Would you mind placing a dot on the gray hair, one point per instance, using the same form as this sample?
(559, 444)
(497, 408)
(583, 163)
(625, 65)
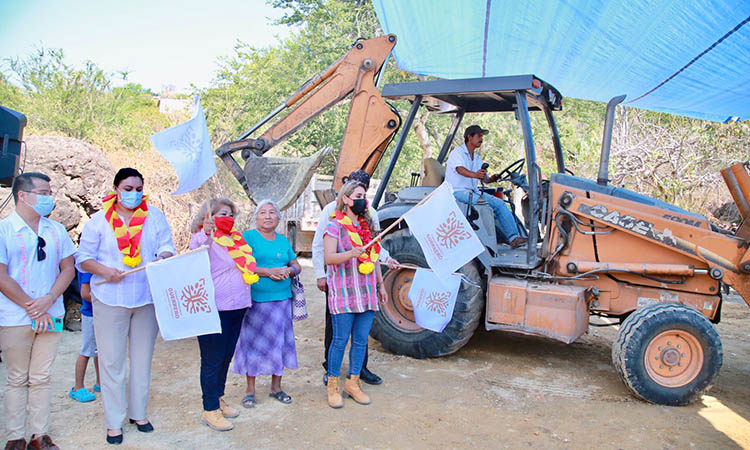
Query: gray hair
(264, 203)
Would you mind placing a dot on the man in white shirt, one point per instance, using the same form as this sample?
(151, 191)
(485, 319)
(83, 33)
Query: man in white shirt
(36, 266)
(464, 168)
(318, 261)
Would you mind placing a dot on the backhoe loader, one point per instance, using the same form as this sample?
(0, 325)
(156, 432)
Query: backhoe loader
(371, 125)
(653, 269)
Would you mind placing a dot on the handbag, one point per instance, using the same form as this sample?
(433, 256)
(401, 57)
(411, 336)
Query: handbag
(299, 304)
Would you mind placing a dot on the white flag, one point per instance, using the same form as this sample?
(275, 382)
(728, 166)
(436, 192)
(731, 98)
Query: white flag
(183, 293)
(446, 238)
(187, 147)
(433, 299)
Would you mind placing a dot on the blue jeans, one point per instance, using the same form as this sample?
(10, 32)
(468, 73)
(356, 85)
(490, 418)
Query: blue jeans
(217, 351)
(356, 325)
(505, 223)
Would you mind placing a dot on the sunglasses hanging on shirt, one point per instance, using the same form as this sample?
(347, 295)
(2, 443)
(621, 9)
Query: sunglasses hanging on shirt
(40, 253)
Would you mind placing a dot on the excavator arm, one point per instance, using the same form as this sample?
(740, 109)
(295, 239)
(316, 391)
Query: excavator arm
(370, 127)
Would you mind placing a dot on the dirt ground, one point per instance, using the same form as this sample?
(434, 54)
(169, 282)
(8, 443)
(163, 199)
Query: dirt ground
(500, 391)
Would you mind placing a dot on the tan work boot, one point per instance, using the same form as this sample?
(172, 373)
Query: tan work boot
(226, 410)
(216, 421)
(353, 389)
(334, 396)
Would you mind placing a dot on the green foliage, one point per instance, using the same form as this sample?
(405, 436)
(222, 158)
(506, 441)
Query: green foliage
(253, 81)
(81, 103)
(10, 95)
(667, 157)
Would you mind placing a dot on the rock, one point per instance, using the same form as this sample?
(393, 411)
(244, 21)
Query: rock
(728, 212)
(80, 173)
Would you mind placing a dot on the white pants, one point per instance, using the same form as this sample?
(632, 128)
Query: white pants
(121, 331)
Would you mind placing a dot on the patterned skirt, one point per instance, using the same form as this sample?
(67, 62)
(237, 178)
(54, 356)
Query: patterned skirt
(266, 344)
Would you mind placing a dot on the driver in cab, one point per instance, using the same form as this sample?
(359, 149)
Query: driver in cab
(464, 168)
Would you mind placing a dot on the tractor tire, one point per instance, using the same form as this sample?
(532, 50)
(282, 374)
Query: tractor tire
(667, 353)
(394, 324)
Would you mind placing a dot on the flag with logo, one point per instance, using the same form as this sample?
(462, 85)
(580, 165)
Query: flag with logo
(433, 299)
(184, 304)
(446, 238)
(187, 147)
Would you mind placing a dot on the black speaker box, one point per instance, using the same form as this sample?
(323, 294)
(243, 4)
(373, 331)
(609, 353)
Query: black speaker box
(12, 124)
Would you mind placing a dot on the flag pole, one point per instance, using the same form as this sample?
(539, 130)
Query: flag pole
(405, 266)
(399, 220)
(464, 278)
(138, 269)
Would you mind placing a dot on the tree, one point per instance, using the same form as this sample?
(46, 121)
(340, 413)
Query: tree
(81, 103)
(253, 81)
(666, 157)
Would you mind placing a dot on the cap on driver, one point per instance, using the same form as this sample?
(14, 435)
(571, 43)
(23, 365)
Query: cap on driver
(475, 129)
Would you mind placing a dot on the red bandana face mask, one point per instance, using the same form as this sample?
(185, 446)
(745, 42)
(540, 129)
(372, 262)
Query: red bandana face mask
(224, 224)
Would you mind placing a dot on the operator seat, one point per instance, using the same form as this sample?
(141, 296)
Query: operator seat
(434, 172)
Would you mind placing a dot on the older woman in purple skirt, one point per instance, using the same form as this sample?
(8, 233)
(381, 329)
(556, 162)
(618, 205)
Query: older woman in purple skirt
(266, 344)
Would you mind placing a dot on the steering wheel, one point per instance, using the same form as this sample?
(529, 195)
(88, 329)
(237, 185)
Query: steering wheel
(512, 171)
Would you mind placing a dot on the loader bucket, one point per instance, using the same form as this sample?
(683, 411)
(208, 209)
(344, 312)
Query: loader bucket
(280, 179)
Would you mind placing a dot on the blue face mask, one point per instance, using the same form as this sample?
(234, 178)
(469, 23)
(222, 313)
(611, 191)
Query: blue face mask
(131, 199)
(44, 205)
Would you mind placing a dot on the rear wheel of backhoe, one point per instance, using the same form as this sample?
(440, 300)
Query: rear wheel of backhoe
(394, 325)
(667, 353)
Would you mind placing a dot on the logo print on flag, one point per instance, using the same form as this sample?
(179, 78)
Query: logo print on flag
(195, 298)
(185, 142)
(433, 299)
(451, 232)
(437, 302)
(187, 147)
(446, 238)
(184, 304)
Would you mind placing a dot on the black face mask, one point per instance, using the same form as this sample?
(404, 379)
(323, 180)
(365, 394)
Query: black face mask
(359, 207)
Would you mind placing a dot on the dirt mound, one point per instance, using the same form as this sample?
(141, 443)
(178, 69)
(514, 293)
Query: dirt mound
(80, 175)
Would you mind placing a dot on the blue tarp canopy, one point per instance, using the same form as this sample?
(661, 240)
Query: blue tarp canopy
(686, 57)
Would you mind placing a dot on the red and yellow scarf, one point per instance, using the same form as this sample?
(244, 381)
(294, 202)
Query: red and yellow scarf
(128, 238)
(360, 237)
(241, 253)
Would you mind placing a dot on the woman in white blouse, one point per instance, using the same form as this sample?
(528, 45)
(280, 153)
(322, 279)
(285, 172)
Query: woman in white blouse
(127, 233)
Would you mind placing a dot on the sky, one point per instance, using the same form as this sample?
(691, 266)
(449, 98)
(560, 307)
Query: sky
(158, 42)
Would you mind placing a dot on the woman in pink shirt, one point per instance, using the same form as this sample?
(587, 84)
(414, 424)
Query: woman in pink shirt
(233, 271)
